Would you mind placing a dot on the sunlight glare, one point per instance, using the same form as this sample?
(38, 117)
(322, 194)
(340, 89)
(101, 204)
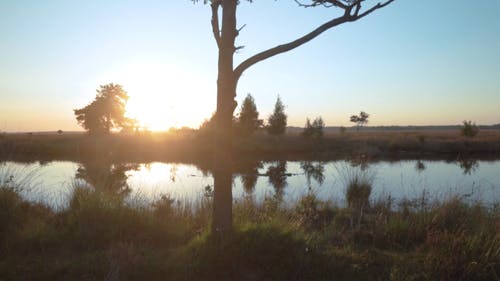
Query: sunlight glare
(164, 96)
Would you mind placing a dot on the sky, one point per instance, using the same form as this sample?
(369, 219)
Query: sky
(410, 63)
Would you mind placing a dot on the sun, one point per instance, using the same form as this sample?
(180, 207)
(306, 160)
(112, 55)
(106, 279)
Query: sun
(164, 96)
(155, 112)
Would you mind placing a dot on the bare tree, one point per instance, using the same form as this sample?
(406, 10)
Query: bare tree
(225, 34)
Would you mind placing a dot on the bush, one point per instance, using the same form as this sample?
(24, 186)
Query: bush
(469, 129)
(358, 187)
(314, 130)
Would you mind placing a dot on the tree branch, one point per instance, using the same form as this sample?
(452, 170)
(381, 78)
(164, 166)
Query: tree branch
(215, 21)
(376, 7)
(347, 17)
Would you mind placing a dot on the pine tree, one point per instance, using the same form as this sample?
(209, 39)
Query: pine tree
(277, 120)
(248, 119)
(308, 129)
(314, 130)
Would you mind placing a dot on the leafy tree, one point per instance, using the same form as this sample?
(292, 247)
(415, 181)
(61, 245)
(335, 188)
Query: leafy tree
(277, 120)
(248, 118)
(106, 111)
(225, 31)
(314, 130)
(469, 129)
(360, 119)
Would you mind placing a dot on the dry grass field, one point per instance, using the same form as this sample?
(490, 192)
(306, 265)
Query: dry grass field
(193, 145)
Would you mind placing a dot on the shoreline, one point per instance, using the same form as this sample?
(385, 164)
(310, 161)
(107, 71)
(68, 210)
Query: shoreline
(197, 146)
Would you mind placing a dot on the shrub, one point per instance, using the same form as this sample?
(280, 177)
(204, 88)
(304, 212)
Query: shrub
(358, 192)
(314, 130)
(469, 129)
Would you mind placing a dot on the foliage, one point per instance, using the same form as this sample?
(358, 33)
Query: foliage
(99, 237)
(278, 120)
(360, 120)
(314, 130)
(106, 111)
(248, 120)
(358, 192)
(253, 252)
(469, 129)
(208, 125)
(358, 183)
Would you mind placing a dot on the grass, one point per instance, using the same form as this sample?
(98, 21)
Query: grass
(196, 146)
(99, 237)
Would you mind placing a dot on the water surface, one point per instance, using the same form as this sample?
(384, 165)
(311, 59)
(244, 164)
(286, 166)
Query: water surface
(53, 183)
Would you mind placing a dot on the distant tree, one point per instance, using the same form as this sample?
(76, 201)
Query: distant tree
(314, 130)
(106, 111)
(308, 129)
(277, 120)
(59, 132)
(360, 119)
(318, 126)
(469, 129)
(342, 129)
(248, 121)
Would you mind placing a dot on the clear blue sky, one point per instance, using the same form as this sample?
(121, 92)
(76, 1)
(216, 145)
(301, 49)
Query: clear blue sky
(411, 63)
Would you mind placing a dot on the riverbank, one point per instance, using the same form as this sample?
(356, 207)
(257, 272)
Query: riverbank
(197, 146)
(99, 237)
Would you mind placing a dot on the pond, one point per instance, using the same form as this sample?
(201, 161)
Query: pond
(53, 183)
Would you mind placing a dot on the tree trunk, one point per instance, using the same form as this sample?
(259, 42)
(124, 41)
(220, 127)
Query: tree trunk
(227, 80)
(226, 91)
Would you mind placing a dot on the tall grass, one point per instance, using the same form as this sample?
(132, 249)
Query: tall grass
(101, 237)
(358, 182)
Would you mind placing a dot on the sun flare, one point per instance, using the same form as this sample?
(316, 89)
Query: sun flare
(163, 97)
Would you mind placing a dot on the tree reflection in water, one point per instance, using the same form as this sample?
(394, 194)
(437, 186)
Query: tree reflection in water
(420, 166)
(277, 178)
(249, 174)
(361, 161)
(105, 176)
(469, 166)
(314, 171)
